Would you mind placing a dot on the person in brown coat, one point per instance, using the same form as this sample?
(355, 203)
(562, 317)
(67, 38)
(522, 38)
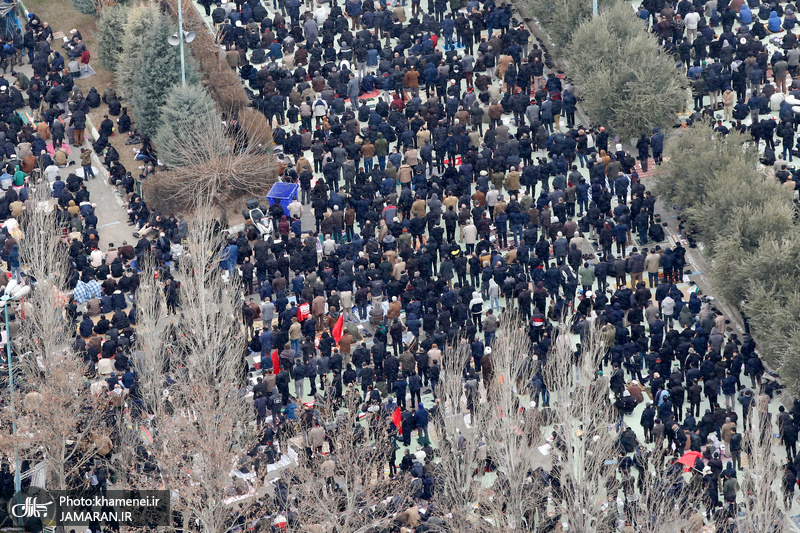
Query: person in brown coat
(418, 208)
(233, 58)
(303, 164)
(412, 157)
(487, 367)
(368, 153)
(394, 309)
(635, 389)
(533, 215)
(479, 198)
(495, 112)
(498, 178)
(502, 65)
(398, 270)
(28, 164)
(423, 136)
(411, 81)
(727, 431)
(318, 82)
(344, 347)
(331, 318)
(404, 174)
(318, 309)
(463, 117)
(512, 181)
(301, 57)
(43, 129)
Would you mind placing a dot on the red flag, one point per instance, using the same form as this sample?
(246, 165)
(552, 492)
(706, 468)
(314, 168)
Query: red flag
(337, 329)
(303, 311)
(397, 420)
(276, 366)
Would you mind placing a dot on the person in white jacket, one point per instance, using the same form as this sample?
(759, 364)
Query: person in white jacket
(476, 309)
(691, 21)
(469, 236)
(320, 109)
(668, 309)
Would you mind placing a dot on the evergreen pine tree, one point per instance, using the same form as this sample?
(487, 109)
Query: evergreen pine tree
(111, 27)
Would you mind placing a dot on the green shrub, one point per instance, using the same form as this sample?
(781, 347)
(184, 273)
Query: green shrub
(625, 79)
(187, 109)
(111, 29)
(87, 7)
(693, 157)
(746, 221)
(150, 66)
(559, 18)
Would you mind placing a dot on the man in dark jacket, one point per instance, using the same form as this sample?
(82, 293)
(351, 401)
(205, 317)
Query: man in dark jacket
(415, 387)
(399, 388)
(648, 421)
(79, 125)
(282, 382)
(657, 144)
(421, 422)
(407, 425)
(643, 146)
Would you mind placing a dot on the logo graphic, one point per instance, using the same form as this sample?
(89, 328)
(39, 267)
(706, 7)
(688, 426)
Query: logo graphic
(32, 505)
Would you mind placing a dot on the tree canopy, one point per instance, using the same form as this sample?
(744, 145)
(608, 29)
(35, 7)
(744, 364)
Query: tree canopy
(150, 66)
(628, 82)
(746, 221)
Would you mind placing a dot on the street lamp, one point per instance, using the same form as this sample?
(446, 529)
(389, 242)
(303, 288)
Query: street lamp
(13, 292)
(176, 39)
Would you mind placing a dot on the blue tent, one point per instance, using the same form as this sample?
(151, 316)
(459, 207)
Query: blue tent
(8, 19)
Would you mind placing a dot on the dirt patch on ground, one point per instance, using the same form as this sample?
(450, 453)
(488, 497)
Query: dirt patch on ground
(63, 17)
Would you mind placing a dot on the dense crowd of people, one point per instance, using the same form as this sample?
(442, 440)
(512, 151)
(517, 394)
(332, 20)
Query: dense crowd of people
(445, 177)
(450, 180)
(44, 144)
(740, 58)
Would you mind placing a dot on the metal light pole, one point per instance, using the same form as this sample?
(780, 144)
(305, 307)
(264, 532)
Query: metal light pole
(5, 300)
(178, 38)
(594, 7)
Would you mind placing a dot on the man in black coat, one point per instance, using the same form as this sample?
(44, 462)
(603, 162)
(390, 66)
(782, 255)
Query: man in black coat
(617, 382)
(282, 382)
(407, 425)
(648, 421)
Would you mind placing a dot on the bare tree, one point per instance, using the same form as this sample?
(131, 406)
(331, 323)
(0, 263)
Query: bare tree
(225, 163)
(617, 91)
(460, 469)
(687, 178)
(151, 357)
(358, 496)
(760, 483)
(203, 430)
(43, 251)
(499, 460)
(59, 421)
(511, 442)
(655, 504)
(584, 446)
